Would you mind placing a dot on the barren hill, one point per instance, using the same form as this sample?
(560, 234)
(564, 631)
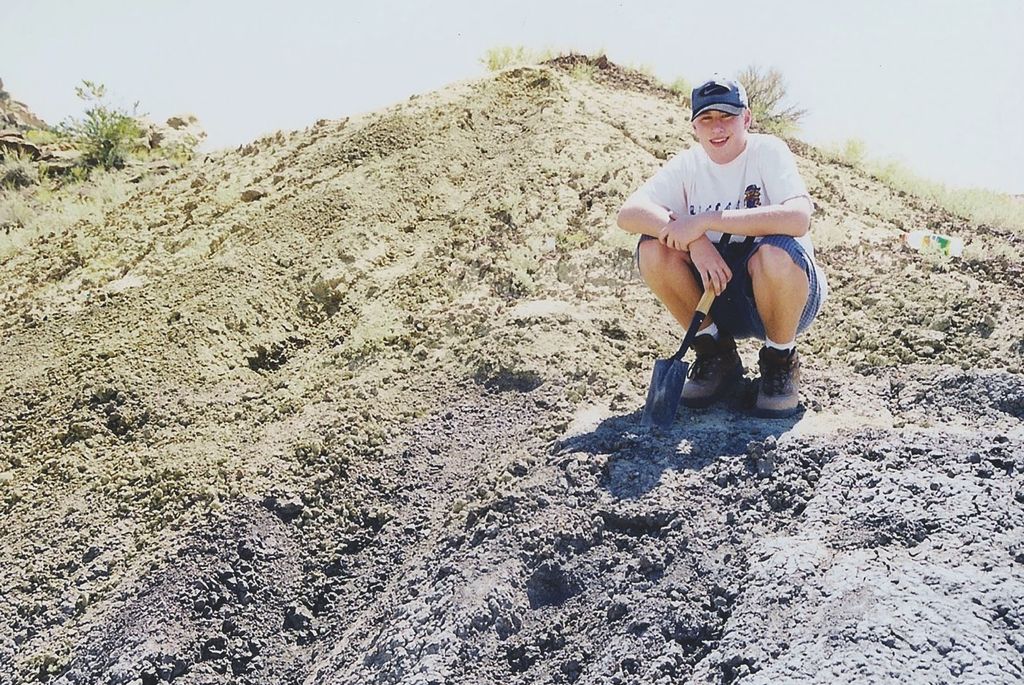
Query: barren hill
(359, 404)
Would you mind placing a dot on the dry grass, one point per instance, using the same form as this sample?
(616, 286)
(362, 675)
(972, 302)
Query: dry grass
(54, 211)
(583, 71)
(852, 152)
(506, 56)
(681, 86)
(973, 204)
(17, 171)
(976, 204)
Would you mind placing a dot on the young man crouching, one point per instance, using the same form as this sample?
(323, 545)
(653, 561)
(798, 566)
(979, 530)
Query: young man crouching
(733, 212)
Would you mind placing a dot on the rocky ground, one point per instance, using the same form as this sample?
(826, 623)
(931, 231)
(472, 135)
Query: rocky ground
(359, 404)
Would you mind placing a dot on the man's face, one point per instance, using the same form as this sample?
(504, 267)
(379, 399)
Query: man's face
(723, 136)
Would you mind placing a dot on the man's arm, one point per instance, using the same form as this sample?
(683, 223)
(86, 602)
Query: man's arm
(792, 217)
(640, 215)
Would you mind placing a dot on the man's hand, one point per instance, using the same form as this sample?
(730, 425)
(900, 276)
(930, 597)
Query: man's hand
(679, 232)
(714, 272)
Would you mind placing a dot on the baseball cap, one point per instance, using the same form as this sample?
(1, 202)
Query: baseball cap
(722, 94)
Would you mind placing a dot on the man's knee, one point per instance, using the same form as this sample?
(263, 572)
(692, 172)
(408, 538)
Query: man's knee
(773, 263)
(657, 260)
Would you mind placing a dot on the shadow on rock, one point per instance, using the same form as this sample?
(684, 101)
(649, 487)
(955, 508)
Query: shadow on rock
(637, 456)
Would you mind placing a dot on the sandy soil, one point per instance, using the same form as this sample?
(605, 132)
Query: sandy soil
(377, 422)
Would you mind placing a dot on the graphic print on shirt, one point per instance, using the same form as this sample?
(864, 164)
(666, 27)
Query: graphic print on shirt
(752, 197)
(700, 209)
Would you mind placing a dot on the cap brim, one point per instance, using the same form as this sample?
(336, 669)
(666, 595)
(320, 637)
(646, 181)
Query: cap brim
(728, 109)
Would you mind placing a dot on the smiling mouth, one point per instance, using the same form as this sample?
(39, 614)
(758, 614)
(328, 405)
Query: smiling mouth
(719, 142)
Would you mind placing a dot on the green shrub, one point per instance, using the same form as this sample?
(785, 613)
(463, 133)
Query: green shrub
(108, 136)
(766, 90)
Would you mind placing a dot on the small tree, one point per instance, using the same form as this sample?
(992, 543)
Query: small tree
(107, 135)
(766, 90)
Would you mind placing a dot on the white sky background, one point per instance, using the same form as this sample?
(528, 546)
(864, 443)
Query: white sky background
(937, 85)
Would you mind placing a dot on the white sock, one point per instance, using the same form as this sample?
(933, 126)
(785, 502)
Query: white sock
(711, 330)
(782, 347)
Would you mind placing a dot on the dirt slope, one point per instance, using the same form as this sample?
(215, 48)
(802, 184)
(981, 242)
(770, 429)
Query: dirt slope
(376, 422)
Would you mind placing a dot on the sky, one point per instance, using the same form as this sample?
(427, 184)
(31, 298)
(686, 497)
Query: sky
(933, 84)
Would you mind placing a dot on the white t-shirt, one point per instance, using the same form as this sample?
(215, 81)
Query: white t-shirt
(764, 173)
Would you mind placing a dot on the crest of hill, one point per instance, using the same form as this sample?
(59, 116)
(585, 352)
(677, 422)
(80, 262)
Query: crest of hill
(17, 115)
(247, 326)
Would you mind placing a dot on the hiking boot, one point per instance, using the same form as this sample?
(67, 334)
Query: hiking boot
(716, 368)
(779, 393)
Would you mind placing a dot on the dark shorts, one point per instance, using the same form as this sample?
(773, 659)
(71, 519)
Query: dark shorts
(735, 311)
